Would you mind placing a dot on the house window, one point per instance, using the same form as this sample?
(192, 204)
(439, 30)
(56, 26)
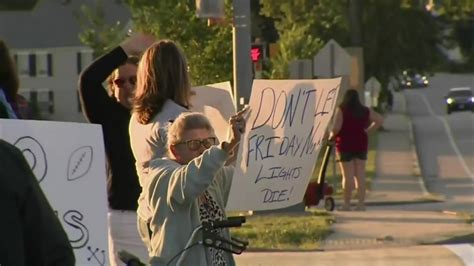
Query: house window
(23, 67)
(32, 65)
(49, 62)
(44, 64)
(41, 101)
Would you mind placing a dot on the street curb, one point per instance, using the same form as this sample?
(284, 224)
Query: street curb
(399, 202)
(416, 163)
(402, 202)
(269, 250)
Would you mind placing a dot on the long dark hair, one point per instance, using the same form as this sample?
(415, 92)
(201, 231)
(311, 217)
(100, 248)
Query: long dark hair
(352, 102)
(8, 75)
(162, 74)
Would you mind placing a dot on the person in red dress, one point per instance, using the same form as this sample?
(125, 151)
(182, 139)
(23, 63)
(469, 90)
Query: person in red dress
(352, 123)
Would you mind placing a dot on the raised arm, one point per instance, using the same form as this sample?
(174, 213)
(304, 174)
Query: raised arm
(95, 100)
(186, 183)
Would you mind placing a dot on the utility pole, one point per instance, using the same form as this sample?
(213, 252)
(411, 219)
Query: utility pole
(355, 16)
(241, 52)
(356, 50)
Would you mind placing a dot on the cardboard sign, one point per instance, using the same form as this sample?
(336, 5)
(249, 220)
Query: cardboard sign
(284, 131)
(217, 103)
(68, 160)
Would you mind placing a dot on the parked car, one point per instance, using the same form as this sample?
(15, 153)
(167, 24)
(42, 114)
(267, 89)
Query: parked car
(459, 99)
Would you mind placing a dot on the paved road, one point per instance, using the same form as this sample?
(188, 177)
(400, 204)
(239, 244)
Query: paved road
(445, 144)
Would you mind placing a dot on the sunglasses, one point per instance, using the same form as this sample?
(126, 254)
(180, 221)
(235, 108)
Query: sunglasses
(121, 81)
(195, 144)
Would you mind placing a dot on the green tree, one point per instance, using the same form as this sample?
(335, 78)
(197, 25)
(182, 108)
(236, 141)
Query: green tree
(303, 26)
(398, 37)
(396, 34)
(208, 48)
(458, 15)
(454, 9)
(11, 5)
(97, 34)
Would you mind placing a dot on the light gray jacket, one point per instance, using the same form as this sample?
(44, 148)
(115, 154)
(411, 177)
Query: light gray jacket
(172, 195)
(148, 142)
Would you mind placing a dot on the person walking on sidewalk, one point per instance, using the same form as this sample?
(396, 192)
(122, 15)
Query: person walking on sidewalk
(119, 68)
(352, 124)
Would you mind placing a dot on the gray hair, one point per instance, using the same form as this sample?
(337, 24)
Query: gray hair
(184, 122)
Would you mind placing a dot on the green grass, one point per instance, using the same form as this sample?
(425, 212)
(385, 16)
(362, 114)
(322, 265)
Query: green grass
(301, 232)
(334, 177)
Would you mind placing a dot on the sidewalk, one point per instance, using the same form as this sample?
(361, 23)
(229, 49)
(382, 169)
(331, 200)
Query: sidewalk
(391, 229)
(398, 182)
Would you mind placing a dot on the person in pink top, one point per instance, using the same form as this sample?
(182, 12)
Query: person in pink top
(352, 123)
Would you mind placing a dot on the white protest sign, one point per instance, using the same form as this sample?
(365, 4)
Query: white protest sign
(217, 103)
(69, 162)
(284, 132)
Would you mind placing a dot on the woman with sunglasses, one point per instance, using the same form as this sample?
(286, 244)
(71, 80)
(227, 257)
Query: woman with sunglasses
(188, 187)
(112, 110)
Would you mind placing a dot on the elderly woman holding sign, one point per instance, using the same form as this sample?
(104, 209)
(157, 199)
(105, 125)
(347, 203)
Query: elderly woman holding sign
(189, 187)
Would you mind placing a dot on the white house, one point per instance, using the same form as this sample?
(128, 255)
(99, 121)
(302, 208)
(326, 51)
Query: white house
(45, 44)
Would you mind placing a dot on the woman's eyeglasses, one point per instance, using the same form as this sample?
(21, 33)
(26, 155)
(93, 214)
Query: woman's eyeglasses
(195, 144)
(121, 81)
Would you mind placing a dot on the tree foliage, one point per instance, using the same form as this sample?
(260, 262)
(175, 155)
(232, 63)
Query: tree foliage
(303, 28)
(459, 16)
(455, 9)
(397, 34)
(96, 33)
(17, 5)
(398, 38)
(208, 48)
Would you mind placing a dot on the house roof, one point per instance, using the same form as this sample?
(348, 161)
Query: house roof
(53, 23)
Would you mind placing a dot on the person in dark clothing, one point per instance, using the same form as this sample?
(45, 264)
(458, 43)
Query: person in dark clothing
(119, 68)
(352, 124)
(30, 232)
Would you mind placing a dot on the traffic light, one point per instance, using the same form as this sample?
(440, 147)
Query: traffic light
(256, 52)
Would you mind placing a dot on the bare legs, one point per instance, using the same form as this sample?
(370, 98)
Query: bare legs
(353, 175)
(360, 178)
(348, 172)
